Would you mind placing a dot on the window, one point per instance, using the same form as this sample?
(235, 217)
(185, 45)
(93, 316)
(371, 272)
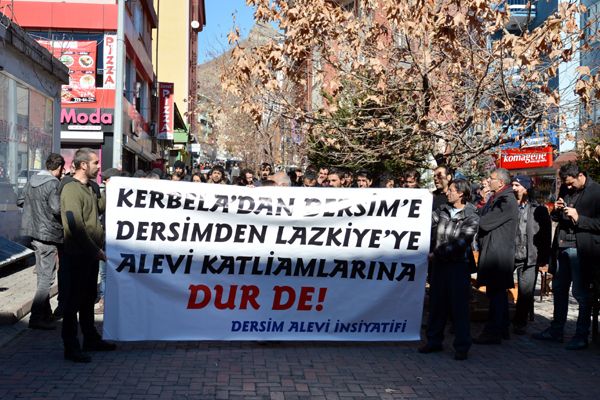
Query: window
(138, 18)
(593, 22)
(26, 133)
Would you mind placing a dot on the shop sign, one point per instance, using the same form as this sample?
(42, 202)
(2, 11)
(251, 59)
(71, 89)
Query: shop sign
(166, 115)
(110, 61)
(80, 57)
(532, 157)
(86, 119)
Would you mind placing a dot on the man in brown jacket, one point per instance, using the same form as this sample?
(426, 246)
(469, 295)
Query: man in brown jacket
(83, 241)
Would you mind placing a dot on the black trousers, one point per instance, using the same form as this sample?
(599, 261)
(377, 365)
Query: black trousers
(80, 277)
(449, 293)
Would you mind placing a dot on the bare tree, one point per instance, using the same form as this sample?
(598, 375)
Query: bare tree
(400, 82)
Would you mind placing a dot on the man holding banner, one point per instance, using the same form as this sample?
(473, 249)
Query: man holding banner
(84, 238)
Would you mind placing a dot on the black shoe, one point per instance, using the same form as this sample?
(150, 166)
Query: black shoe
(99, 345)
(77, 356)
(548, 336)
(427, 348)
(461, 355)
(43, 325)
(577, 343)
(58, 314)
(487, 338)
(519, 330)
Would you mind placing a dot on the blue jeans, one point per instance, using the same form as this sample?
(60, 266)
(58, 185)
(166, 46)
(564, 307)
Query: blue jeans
(102, 283)
(570, 270)
(526, 277)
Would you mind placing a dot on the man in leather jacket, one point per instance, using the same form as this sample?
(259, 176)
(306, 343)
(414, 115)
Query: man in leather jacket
(41, 221)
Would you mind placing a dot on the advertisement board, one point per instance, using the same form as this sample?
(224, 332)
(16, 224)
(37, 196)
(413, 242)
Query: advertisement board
(80, 58)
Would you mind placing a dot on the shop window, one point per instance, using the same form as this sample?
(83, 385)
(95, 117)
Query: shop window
(26, 132)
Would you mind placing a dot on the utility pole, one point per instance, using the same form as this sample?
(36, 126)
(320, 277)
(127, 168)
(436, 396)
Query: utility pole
(119, 87)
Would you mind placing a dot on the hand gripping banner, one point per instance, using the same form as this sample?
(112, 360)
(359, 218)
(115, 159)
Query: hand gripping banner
(192, 261)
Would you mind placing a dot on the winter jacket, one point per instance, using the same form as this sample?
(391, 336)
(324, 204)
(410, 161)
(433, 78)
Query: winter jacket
(539, 232)
(41, 208)
(80, 210)
(496, 236)
(452, 236)
(587, 228)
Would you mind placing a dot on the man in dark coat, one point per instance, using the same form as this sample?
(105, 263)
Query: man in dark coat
(577, 249)
(41, 221)
(496, 236)
(532, 248)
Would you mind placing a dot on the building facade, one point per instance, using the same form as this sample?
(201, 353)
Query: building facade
(30, 88)
(83, 35)
(175, 57)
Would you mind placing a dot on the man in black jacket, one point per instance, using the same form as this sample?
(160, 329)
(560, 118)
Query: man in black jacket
(41, 221)
(497, 229)
(577, 250)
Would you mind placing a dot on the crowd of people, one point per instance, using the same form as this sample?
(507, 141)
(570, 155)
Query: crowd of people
(493, 228)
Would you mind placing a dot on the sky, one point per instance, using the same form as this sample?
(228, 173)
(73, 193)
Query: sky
(219, 21)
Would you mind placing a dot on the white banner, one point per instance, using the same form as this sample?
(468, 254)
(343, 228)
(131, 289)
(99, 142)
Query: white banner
(192, 261)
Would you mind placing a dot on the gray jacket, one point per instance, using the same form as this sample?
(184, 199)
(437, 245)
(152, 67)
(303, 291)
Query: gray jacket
(41, 208)
(539, 233)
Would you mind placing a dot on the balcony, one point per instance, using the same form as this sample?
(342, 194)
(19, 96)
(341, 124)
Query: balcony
(522, 13)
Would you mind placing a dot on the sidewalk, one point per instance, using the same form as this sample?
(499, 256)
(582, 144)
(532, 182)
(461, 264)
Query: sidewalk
(520, 368)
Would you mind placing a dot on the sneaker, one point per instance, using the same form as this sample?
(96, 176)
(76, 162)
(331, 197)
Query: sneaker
(427, 348)
(461, 355)
(577, 343)
(487, 338)
(548, 336)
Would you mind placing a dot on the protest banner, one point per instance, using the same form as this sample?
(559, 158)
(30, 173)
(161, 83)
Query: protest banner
(191, 261)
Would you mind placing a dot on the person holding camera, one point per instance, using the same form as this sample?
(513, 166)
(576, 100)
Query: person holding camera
(576, 249)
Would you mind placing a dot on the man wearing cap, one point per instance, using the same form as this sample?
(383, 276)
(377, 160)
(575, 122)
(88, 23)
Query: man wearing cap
(532, 248)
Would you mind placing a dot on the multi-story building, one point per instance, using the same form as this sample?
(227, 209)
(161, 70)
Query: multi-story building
(175, 57)
(83, 34)
(591, 23)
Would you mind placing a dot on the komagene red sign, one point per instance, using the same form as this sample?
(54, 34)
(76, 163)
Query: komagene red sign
(532, 157)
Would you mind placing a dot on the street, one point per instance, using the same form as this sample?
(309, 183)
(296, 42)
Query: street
(521, 368)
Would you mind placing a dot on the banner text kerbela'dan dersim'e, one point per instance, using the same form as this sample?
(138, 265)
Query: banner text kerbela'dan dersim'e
(190, 261)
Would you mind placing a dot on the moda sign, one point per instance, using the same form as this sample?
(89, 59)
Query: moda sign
(537, 157)
(86, 119)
